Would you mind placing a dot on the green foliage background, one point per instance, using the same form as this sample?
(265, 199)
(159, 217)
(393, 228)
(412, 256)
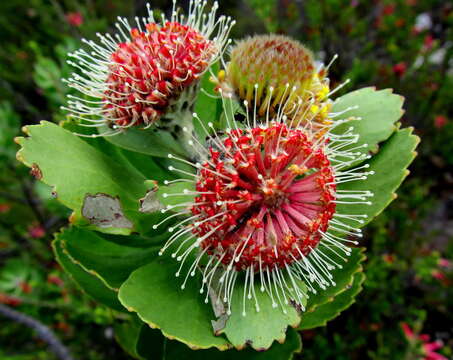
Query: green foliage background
(379, 43)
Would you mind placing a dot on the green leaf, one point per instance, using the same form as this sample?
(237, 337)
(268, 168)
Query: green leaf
(379, 110)
(174, 194)
(152, 141)
(208, 106)
(390, 169)
(15, 272)
(84, 179)
(258, 329)
(328, 311)
(343, 279)
(142, 164)
(150, 167)
(127, 334)
(155, 294)
(90, 284)
(111, 262)
(47, 75)
(152, 345)
(231, 107)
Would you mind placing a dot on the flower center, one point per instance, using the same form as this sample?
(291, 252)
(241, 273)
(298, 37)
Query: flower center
(151, 70)
(273, 197)
(265, 196)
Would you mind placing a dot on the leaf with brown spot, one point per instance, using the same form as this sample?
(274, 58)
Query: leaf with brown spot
(105, 211)
(36, 171)
(74, 169)
(150, 202)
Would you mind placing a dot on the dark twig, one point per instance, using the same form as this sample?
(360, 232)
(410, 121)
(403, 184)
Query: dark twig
(44, 333)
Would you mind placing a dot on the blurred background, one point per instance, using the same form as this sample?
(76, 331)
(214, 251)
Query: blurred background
(406, 45)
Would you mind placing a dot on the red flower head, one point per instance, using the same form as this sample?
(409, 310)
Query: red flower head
(264, 198)
(132, 79)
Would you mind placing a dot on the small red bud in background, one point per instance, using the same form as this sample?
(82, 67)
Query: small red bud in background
(389, 9)
(408, 332)
(440, 121)
(9, 300)
(400, 22)
(445, 263)
(53, 279)
(63, 326)
(74, 19)
(400, 69)
(4, 208)
(388, 258)
(25, 287)
(36, 232)
(428, 42)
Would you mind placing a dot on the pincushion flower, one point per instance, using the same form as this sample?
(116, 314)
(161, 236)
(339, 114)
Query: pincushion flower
(134, 77)
(264, 206)
(255, 204)
(272, 70)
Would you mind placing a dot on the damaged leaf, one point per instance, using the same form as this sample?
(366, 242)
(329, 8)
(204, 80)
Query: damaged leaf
(74, 169)
(36, 171)
(219, 311)
(105, 211)
(150, 202)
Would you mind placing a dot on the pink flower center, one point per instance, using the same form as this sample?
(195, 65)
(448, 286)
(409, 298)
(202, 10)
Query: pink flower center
(264, 196)
(152, 69)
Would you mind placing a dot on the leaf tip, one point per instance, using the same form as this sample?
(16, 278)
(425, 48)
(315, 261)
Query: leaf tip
(19, 140)
(25, 130)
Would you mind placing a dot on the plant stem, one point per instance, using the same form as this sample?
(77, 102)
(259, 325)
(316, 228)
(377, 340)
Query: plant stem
(44, 332)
